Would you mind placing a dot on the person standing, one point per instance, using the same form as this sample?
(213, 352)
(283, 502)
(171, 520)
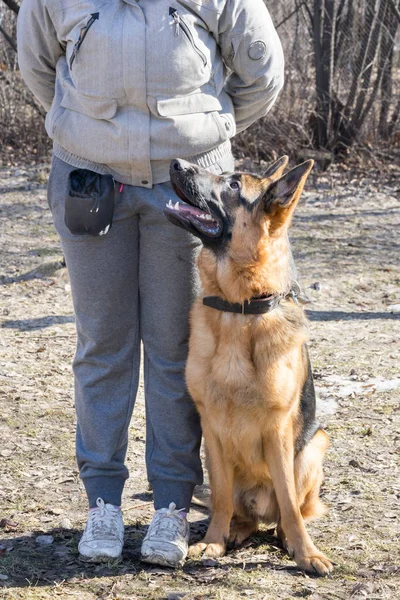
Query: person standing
(129, 85)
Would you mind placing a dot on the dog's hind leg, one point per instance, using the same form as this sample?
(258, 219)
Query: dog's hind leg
(241, 528)
(309, 476)
(221, 481)
(281, 535)
(246, 517)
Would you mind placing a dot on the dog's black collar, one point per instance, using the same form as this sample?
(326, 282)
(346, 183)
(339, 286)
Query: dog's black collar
(255, 306)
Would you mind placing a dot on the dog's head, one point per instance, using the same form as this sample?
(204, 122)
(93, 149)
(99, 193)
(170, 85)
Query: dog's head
(239, 217)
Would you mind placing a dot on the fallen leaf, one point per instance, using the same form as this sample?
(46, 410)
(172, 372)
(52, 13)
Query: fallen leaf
(6, 524)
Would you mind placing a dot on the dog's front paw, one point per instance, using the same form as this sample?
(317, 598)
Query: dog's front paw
(317, 563)
(214, 550)
(205, 550)
(196, 550)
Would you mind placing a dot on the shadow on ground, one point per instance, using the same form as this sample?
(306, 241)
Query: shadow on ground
(44, 271)
(338, 315)
(38, 323)
(313, 315)
(31, 564)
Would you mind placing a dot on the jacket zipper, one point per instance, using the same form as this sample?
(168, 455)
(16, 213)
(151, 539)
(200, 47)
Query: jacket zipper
(82, 35)
(180, 24)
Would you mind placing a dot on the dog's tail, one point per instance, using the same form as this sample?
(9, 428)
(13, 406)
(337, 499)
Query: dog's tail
(202, 496)
(313, 509)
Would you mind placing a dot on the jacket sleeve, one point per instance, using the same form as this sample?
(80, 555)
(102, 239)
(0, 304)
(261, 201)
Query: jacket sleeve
(251, 49)
(38, 50)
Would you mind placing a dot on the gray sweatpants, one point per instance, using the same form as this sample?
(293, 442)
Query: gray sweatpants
(134, 284)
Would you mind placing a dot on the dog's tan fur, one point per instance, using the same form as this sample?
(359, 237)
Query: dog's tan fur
(245, 374)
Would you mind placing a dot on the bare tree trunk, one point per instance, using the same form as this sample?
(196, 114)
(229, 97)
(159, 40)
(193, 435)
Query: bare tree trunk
(386, 67)
(324, 19)
(395, 9)
(394, 118)
(340, 28)
(362, 95)
(360, 61)
(359, 113)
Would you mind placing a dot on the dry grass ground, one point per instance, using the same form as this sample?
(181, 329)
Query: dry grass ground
(345, 239)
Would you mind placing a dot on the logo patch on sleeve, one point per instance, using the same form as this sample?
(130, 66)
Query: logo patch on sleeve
(257, 50)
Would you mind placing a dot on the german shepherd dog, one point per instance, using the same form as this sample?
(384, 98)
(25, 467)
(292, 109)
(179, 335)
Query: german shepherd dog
(248, 370)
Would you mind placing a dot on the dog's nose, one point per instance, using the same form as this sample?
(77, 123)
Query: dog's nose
(176, 165)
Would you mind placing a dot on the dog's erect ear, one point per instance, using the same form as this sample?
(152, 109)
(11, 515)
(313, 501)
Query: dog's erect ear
(281, 197)
(275, 170)
(288, 188)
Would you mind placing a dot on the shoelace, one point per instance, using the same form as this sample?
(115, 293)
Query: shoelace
(167, 523)
(103, 521)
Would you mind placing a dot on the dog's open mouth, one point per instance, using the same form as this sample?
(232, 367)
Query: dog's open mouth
(185, 215)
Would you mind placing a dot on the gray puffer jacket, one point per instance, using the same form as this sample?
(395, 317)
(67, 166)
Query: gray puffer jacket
(131, 84)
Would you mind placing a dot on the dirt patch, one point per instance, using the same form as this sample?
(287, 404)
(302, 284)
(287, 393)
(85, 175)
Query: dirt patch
(345, 239)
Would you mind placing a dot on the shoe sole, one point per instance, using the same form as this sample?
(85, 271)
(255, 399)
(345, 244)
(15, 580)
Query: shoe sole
(103, 558)
(159, 560)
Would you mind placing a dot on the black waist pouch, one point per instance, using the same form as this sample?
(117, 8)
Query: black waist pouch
(89, 205)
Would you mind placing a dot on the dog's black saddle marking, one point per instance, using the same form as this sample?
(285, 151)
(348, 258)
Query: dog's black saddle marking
(310, 425)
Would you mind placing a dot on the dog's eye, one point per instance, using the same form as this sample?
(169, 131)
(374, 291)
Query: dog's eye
(234, 185)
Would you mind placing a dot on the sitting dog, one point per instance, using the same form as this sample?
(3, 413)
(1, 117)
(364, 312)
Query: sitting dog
(248, 369)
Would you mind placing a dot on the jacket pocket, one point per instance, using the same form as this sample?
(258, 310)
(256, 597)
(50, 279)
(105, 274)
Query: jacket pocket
(91, 106)
(88, 128)
(181, 27)
(200, 103)
(82, 34)
(186, 125)
(186, 105)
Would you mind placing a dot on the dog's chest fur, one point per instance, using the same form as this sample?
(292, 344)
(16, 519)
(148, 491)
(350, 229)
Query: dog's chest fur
(236, 372)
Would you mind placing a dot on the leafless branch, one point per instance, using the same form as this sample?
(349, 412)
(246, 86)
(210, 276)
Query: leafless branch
(8, 38)
(289, 16)
(395, 10)
(12, 5)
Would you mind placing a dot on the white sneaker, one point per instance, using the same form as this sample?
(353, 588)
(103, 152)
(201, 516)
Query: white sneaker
(166, 542)
(103, 537)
